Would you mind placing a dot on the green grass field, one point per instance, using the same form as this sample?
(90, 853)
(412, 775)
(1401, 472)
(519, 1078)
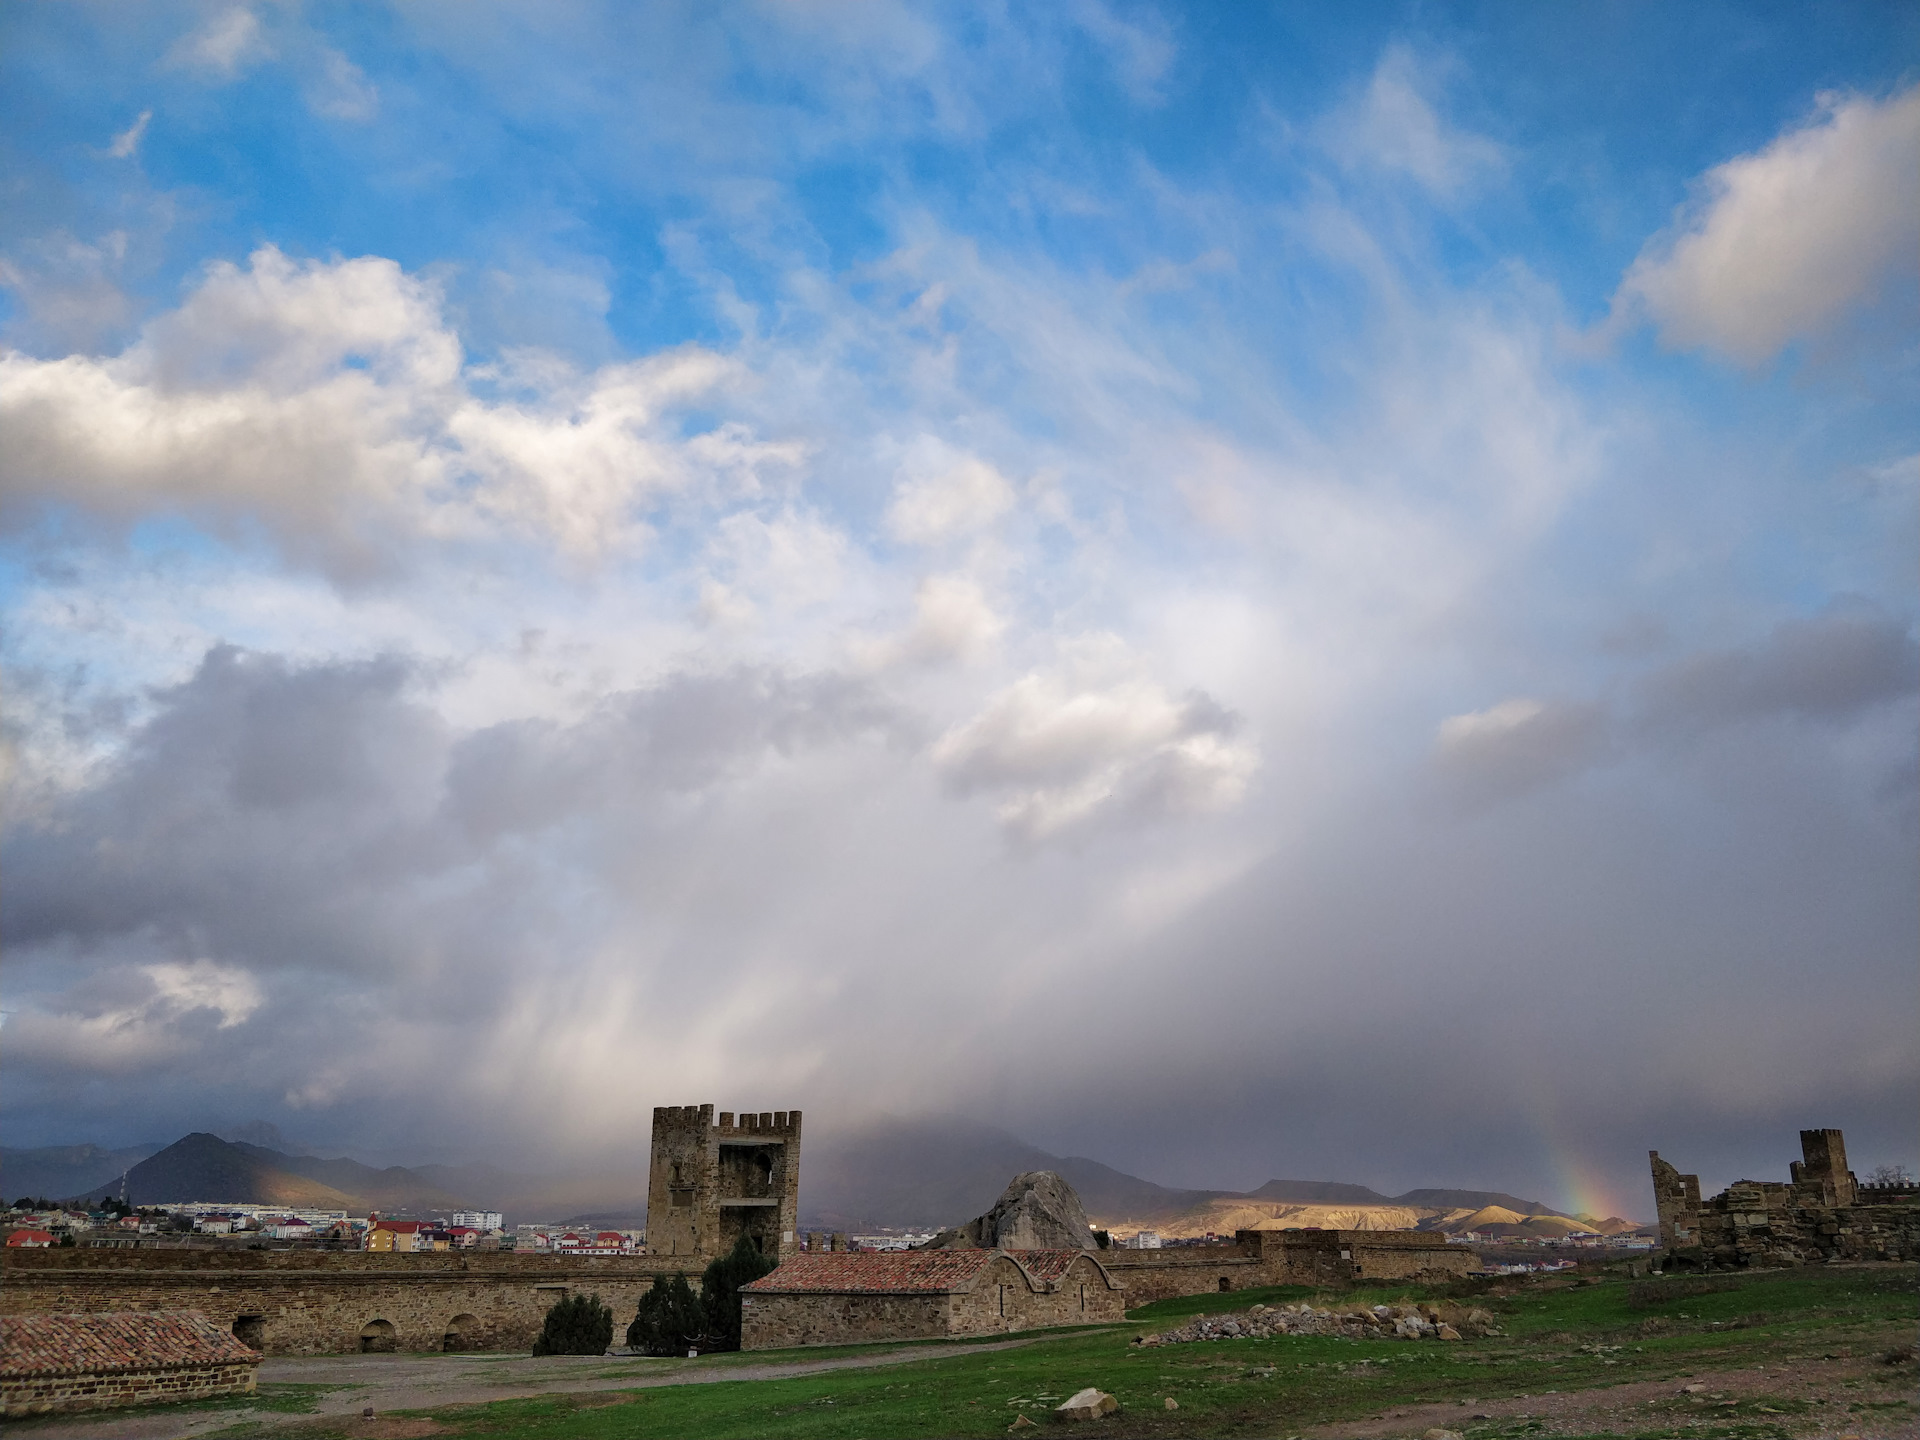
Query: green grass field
(1559, 1339)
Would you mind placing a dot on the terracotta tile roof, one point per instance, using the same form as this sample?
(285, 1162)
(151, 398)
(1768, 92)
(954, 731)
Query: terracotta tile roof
(1047, 1265)
(123, 1340)
(30, 1237)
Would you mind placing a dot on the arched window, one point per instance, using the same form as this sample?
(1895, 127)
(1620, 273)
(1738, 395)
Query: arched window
(377, 1337)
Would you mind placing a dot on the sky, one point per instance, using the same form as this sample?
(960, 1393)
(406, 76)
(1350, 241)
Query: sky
(1242, 590)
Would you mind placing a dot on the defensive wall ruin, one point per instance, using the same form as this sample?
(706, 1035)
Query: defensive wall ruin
(307, 1302)
(711, 1179)
(1821, 1213)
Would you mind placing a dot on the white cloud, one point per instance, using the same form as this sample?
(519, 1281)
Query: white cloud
(952, 620)
(1063, 748)
(330, 401)
(136, 1017)
(1141, 51)
(945, 496)
(340, 89)
(127, 143)
(1785, 241)
(1394, 127)
(226, 45)
(181, 988)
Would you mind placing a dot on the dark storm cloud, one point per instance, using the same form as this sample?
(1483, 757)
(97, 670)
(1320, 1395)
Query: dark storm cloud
(284, 854)
(1825, 668)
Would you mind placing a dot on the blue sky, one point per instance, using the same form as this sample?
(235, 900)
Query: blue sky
(1402, 515)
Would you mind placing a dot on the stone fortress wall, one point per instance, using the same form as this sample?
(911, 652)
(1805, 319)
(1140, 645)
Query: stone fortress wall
(1821, 1213)
(711, 1179)
(329, 1303)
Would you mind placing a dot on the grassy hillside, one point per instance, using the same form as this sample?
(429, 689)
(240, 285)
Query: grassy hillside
(1817, 1337)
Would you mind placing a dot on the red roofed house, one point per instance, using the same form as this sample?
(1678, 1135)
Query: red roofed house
(30, 1239)
(841, 1298)
(87, 1362)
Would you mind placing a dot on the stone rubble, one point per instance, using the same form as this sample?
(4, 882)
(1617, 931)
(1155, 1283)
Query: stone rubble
(1380, 1322)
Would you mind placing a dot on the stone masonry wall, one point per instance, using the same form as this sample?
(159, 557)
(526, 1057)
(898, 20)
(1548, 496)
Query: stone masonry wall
(1821, 1214)
(1151, 1275)
(1002, 1300)
(318, 1303)
(775, 1322)
(86, 1390)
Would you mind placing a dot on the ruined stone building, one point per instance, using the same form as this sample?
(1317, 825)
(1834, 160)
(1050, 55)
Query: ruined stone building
(1821, 1213)
(709, 1183)
(844, 1299)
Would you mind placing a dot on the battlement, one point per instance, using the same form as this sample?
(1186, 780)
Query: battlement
(767, 1126)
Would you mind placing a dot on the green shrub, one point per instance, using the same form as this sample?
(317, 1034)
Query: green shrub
(577, 1325)
(720, 1291)
(670, 1320)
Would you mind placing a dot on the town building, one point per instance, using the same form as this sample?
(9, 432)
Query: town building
(399, 1237)
(482, 1220)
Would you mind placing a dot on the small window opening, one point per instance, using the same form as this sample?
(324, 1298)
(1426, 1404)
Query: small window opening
(1225, 1284)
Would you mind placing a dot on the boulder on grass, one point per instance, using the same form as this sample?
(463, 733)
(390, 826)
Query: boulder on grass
(1088, 1404)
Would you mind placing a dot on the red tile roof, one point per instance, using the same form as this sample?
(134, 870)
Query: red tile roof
(149, 1340)
(1047, 1265)
(30, 1237)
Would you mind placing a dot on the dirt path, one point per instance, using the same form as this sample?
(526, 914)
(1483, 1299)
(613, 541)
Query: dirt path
(424, 1382)
(1803, 1397)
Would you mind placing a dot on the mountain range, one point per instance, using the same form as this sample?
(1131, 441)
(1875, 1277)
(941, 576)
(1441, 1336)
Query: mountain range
(897, 1174)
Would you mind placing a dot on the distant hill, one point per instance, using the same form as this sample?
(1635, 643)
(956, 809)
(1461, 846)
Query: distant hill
(1472, 1200)
(895, 1174)
(1323, 1192)
(57, 1170)
(205, 1167)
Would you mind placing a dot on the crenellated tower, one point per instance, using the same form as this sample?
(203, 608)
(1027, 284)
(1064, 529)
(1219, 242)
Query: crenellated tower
(710, 1182)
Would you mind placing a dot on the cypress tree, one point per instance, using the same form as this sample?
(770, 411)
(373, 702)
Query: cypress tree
(670, 1319)
(720, 1291)
(576, 1325)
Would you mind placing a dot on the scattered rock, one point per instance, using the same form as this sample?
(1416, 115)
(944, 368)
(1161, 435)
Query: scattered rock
(1438, 1434)
(1088, 1404)
(1382, 1322)
(1021, 1422)
(1693, 1389)
(1172, 1404)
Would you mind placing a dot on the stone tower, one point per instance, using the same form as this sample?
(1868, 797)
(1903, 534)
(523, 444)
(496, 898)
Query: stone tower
(1823, 1167)
(708, 1184)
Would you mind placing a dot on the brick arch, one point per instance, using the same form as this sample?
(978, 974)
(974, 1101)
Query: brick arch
(378, 1337)
(461, 1332)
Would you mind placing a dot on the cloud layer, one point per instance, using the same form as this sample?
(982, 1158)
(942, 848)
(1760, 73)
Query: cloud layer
(1017, 568)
